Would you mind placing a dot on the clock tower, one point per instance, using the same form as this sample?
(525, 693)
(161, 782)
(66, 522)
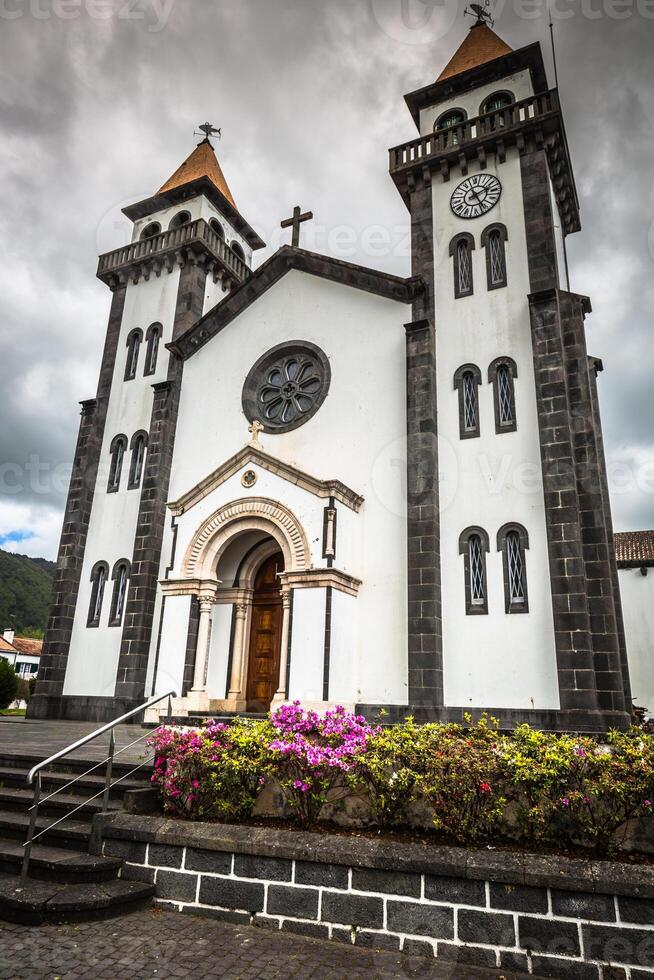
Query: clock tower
(510, 546)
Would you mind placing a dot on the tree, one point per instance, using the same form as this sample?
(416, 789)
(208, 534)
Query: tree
(23, 692)
(8, 684)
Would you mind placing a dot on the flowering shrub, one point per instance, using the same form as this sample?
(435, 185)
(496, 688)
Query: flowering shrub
(312, 753)
(461, 778)
(538, 788)
(211, 773)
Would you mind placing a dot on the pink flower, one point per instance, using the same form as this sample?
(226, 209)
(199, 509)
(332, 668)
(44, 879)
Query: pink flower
(565, 801)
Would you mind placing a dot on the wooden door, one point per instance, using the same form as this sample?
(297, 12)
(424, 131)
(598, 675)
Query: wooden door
(265, 635)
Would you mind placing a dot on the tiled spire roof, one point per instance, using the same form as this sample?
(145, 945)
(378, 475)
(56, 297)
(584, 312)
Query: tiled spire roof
(201, 163)
(480, 45)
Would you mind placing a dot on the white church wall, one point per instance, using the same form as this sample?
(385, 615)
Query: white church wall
(519, 84)
(357, 436)
(558, 240)
(343, 681)
(307, 645)
(93, 658)
(221, 627)
(495, 660)
(172, 648)
(637, 593)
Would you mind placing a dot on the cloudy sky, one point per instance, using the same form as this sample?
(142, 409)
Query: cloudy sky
(98, 103)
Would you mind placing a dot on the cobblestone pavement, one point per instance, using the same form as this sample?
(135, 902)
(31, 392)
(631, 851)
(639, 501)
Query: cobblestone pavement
(159, 945)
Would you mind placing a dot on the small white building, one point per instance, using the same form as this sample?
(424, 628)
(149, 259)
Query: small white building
(22, 652)
(634, 552)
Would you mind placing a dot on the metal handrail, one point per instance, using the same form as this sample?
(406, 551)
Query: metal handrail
(37, 769)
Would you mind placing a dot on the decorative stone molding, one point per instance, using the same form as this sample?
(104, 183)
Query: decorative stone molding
(321, 578)
(250, 454)
(255, 513)
(203, 588)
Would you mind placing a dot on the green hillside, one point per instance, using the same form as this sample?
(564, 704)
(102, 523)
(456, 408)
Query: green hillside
(25, 585)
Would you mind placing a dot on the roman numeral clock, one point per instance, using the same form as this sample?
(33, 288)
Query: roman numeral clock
(475, 195)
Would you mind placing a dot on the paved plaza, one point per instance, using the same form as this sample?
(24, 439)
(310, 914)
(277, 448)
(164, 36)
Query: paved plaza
(158, 944)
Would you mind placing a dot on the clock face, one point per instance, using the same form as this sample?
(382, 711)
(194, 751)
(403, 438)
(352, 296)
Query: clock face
(475, 195)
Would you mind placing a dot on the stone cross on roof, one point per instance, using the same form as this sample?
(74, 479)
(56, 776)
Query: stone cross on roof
(295, 223)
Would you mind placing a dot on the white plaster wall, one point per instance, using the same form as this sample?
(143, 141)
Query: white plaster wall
(307, 645)
(558, 241)
(94, 653)
(519, 84)
(172, 650)
(221, 625)
(357, 436)
(343, 681)
(495, 660)
(637, 593)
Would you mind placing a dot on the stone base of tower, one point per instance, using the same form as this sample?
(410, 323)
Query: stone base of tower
(586, 722)
(68, 708)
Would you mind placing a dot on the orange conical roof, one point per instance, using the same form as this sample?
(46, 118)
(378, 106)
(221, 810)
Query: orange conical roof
(201, 163)
(480, 45)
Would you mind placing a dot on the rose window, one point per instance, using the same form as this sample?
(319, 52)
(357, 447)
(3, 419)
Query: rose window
(286, 386)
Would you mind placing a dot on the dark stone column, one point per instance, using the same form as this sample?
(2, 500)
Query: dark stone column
(539, 221)
(594, 366)
(191, 645)
(594, 531)
(425, 635)
(562, 515)
(146, 559)
(47, 699)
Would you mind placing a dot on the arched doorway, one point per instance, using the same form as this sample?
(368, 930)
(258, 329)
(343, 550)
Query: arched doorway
(265, 644)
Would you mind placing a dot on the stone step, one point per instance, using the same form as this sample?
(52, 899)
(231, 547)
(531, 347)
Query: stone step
(197, 721)
(15, 798)
(73, 765)
(41, 902)
(72, 833)
(58, 864)
(15, 776)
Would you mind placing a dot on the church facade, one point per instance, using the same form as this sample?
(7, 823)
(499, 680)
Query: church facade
(319, 481)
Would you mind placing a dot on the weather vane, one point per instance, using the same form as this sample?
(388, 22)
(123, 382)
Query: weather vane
(208, 131)
(481, 11)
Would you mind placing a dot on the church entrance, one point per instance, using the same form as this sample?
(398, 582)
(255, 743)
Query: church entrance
(265, 635)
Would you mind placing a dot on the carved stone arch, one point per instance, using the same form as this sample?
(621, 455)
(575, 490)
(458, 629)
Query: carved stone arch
(246, 514)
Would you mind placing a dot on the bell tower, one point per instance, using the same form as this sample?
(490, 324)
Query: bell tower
(190, 246)
(513, 599)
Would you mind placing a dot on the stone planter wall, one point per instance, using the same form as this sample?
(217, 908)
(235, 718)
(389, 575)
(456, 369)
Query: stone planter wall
(551, 916)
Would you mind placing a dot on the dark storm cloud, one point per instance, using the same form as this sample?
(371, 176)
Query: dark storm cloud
(98, 111)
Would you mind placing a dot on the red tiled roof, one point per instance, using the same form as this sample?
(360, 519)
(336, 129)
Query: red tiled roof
(634, 549)
(28, 645)
(7, 647)
(201, 163)
(480, 45)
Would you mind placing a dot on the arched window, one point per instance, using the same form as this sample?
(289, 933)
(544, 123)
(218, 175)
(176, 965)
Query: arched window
(513, 541)
(492, 239)
(466, 381)
(117, 449)
(501, 375)
(99, 574)
(449, 120)
(152, 336)
(496, 101)
(154, 228)
(120, 576)
(216, 226)
(139, 446)
(181, 218)
(461, 249)
(474, 545)
(133, 347)
(238, 251)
